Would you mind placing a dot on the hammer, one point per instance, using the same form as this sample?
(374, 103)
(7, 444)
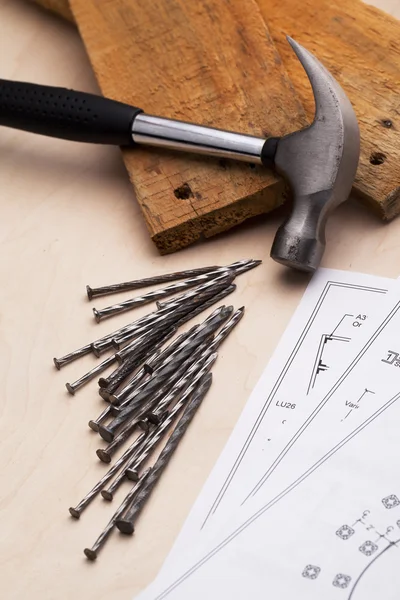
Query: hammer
(319, 162)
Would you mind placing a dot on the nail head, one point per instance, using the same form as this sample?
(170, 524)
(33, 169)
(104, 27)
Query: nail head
(125, 526)
(103, 454)
(90, 554)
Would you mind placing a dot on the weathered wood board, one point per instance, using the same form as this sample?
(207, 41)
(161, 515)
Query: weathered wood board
(208, 62)
(360, 45)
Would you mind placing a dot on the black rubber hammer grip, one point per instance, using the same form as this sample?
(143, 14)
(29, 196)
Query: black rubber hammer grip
(66, 114)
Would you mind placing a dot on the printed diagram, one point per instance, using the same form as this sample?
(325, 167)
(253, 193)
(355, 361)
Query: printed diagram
(345, 532)
(393, 358)
(311, 572)
(390, 501)
(368, 548)
(370, 543)
(341, 581)
(327, 349)
(356, 405)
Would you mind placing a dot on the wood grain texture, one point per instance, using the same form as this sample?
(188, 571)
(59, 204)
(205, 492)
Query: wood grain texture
(360, 45)
(207, 62)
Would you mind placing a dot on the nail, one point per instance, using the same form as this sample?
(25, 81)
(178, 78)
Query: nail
(91, 553)
(97, 347)
(166, 370)
(170, 315)
(79, 508)
(72, 387)
(126, 523)
(243, 266)
(201, 333)
(104, 393)
(156, 435)
(105, 454)
(108, 494)
(141, 283)
(156, 404)
(197, 369)
(135, 328)
(108, 411)
(135, 359)
(117, 398)
(149, 367)
(199, 292)
(210, 302)
(174, 288)
(144, 342)
(144, 339)
(227, 328)
(120, 340)
(105, 343)
(64, 360)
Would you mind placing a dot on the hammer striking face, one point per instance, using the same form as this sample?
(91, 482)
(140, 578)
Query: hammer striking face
(319, 162)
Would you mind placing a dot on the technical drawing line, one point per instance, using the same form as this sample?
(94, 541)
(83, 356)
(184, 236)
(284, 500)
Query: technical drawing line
(341, 321)
(267, 404)
(226, 483)
(365, 392)
(388, 547)
(318, 359)
(323, 402)
(277, 498)
(318, 364)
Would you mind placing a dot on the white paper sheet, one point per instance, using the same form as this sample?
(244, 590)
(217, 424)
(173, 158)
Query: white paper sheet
(328, 520)
(330, 325)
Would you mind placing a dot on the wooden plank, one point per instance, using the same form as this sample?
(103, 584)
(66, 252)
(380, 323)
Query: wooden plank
(209, 62)
(192, 68)
(360, 45)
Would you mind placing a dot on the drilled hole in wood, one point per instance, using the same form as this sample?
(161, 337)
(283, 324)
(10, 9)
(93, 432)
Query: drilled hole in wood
(377, 158)
(387, 123)
(183, 192)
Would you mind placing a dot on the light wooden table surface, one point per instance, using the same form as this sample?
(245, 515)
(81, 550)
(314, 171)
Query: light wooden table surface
(68, 218)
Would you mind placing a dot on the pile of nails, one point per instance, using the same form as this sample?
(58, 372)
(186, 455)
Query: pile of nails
(158, 384)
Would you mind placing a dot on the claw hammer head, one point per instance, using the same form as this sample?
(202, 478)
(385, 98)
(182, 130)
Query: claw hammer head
(320, 164)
